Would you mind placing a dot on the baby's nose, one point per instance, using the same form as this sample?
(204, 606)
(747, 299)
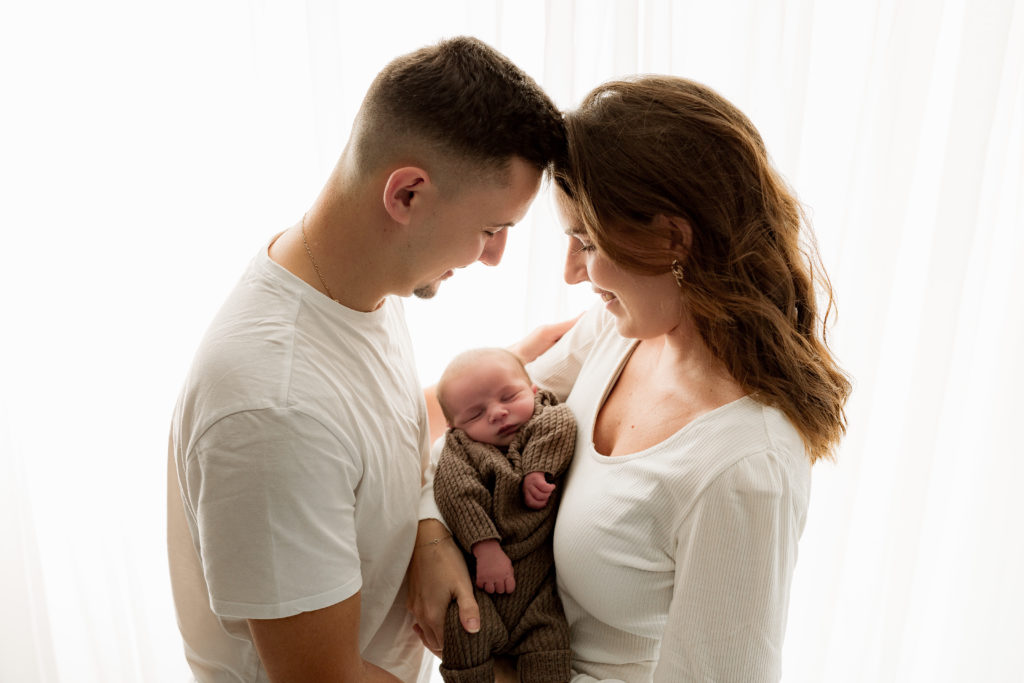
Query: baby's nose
(498, 412)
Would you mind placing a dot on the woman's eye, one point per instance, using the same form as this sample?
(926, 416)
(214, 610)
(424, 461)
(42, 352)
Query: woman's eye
(581, 246)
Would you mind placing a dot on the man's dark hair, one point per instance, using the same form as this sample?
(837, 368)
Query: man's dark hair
(465, 97)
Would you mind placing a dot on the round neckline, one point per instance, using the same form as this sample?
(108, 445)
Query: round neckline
(620, 366)
(625, 457)
(313, 295)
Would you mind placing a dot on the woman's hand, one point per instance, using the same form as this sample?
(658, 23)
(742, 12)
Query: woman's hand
(541, 339)
(438, 575)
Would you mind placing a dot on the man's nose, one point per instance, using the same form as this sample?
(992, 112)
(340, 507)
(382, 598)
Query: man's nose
(493, 250)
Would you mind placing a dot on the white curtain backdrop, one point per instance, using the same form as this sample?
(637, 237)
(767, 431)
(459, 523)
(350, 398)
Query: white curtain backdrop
(147, 150)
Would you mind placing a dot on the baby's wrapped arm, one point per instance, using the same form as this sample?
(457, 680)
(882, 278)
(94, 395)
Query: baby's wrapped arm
(552, 439)
(462, 498)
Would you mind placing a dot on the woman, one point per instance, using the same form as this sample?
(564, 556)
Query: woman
(703, 388)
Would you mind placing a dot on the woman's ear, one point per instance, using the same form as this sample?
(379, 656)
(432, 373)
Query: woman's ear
(403, 192)
(679, 231)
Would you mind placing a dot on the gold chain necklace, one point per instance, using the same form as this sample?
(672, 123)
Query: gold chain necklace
(313, 260)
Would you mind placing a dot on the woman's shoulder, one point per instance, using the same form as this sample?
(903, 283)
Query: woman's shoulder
(595, 328)
(746, 440)
(592, 340)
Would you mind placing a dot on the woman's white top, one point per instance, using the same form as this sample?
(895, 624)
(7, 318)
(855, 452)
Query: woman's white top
(674, 563)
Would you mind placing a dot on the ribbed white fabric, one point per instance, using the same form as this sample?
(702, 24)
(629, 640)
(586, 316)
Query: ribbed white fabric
(674, 563)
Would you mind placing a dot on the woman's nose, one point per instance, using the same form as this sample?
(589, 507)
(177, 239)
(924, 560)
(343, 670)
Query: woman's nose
(575, 267)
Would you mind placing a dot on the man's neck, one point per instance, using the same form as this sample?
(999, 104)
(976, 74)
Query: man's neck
(345, 247)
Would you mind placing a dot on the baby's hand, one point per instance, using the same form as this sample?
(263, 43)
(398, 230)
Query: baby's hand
(536, 490)
(493, 568)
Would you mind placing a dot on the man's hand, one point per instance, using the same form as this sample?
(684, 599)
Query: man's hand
(493, 568)
(536, 490)
(437, 575)
(541, 339)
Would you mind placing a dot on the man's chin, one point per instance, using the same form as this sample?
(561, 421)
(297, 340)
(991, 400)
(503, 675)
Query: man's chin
(427, 291)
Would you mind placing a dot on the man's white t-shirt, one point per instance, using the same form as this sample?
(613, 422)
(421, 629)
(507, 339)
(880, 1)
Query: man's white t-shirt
(294, 473)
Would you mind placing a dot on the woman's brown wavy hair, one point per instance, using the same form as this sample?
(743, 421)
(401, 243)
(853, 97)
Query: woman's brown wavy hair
(659, 145)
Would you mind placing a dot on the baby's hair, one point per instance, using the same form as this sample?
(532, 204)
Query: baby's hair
(468, 359)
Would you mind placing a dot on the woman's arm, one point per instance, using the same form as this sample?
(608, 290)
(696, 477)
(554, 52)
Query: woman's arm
(557, 368)
(541, 339)
(736, 550)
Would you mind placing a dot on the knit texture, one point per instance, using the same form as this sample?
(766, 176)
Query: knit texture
(478, 489)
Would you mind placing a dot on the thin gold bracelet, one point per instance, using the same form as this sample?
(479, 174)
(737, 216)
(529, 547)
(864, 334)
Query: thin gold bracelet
(434, 541)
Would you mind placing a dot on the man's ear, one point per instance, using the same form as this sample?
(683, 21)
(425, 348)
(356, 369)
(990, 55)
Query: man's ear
(404, 191)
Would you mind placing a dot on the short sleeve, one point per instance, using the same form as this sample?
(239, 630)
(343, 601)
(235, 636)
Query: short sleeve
(557, 368)
(273, 492)
(428, 506)
(736, 551)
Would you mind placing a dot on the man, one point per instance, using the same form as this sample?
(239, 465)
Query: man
(298, 441)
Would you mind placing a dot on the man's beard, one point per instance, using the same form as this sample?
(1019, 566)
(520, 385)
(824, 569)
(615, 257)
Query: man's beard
(427, 291)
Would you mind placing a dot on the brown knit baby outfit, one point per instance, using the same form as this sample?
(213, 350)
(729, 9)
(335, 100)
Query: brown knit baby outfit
(479, 491)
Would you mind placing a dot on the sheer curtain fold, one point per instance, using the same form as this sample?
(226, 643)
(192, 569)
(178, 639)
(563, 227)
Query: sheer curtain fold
(148, 159)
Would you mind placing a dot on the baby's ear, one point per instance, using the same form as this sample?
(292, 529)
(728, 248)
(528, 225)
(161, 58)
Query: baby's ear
(534, 388)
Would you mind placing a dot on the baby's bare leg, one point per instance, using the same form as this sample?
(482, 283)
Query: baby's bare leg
(505, 670)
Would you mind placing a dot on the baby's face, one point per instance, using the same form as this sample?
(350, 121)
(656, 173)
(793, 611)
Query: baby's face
(490, 400)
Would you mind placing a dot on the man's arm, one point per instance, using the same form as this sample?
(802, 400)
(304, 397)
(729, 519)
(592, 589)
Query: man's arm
(321, 646)
(435, 417)
(438, 575)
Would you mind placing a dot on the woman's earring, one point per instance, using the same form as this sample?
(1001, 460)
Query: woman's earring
(678, 272)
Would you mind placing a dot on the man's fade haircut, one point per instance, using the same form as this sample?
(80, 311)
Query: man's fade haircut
(465, 99)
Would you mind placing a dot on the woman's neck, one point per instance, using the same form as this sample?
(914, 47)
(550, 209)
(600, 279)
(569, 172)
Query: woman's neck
(681, 358)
